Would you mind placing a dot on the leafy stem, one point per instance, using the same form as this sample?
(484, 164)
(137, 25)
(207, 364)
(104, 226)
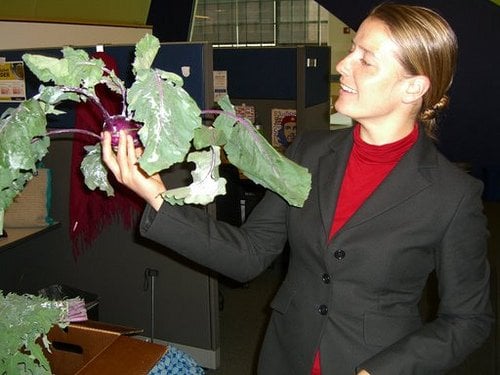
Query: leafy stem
(123, 90)
(241, 120)
(93, 98)
(81, 131)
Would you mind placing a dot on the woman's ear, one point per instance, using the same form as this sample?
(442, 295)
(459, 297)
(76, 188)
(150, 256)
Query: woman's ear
(416, 87)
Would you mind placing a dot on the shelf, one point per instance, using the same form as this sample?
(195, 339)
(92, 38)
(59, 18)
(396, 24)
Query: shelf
(16, 236)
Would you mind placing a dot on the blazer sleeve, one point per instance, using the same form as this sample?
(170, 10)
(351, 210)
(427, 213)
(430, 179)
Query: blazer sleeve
(240, 253)
(464, 317)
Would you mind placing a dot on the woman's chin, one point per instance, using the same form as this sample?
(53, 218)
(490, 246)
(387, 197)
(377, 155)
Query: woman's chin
(343, 110)
(340, 106)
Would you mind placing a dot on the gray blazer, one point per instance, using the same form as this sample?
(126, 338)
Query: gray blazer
(356, 297)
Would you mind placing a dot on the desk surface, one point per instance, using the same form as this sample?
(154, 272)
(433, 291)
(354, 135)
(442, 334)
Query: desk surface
(15, 236)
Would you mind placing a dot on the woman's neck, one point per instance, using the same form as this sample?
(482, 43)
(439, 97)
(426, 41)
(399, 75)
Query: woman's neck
(381, 134)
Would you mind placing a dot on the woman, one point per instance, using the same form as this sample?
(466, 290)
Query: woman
(385, 210)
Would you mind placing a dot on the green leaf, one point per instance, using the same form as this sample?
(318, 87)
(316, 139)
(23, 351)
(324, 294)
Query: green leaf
(145, 53)
(75, 69)
(114, 83)
(22, 144)
(174, 78)
(169, 116)
(85, 71)
(46, 68)
(36, 351)
(206, 136)
(39, 147)
(207, 183)
(94, 172)
(249, 151)
(54, 95)
(24, 319)
(226, 120)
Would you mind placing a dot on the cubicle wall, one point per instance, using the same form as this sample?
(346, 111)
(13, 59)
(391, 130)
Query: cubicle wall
(279, 77)
(184, 295)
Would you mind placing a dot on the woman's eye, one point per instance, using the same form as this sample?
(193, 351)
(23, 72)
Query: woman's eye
(364, 62)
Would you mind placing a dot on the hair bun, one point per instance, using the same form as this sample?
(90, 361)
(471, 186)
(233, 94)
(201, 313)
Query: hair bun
(431, 113)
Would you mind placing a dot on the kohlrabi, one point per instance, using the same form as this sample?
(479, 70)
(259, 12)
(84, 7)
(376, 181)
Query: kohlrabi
(117, 123)
(163, 118)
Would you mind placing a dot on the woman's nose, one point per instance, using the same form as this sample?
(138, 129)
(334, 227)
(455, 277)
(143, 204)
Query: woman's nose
(342, 66)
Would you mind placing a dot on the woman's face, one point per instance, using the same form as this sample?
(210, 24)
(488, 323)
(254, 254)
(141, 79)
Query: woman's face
(372, 80)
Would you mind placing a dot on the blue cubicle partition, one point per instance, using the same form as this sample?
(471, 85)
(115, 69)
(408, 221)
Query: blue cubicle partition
(273, 73)
(259, 73)
(279, 77)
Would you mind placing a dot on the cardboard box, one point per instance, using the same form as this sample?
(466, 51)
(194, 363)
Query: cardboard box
(95, 348)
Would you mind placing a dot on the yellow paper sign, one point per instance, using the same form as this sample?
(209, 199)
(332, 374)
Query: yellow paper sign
(12, 82)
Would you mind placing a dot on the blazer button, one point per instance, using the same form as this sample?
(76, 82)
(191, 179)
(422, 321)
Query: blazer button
(323, 309)
(326, 278)
(339, 254)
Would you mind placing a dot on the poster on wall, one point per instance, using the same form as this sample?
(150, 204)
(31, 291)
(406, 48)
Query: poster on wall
(220, 84)
(284, 127)
(12, 82)
(245, 111)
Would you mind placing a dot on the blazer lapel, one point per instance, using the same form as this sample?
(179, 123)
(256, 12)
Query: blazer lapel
(330, 174)
(403, 182)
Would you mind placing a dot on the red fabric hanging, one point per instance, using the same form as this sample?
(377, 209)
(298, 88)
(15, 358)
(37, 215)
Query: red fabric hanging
(92, 211)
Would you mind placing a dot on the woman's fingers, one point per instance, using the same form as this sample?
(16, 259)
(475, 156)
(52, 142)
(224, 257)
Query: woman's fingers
(109, 156)
(131, 151)
(127, 160)
(123, 163)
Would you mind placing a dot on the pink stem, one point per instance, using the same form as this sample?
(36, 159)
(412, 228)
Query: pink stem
(94, 99)
(81, 131)
(240, 119)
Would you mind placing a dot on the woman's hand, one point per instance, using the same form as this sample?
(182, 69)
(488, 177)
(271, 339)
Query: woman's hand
(124, 165)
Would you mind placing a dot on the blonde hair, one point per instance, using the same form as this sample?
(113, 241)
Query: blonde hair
(427, 46)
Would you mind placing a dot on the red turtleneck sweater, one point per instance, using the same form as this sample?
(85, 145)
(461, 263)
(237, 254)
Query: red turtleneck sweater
(367, 167)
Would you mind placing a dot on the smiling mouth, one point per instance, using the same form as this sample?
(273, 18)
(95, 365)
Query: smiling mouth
(348, 89)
